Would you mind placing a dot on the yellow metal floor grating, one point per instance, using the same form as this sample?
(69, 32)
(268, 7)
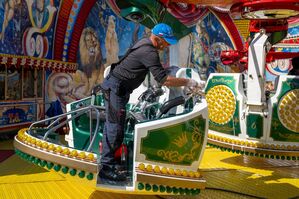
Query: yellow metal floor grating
(228, 175)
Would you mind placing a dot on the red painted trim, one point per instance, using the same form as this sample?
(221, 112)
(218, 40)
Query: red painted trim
(113, 6)
(231, 27)
(61, 27)
(78, 28)
(14, 127)
(272, 56)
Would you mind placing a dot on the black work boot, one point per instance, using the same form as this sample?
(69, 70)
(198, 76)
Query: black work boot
(112, 175)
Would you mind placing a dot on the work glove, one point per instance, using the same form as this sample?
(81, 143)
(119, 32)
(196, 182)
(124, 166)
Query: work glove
(196, 85)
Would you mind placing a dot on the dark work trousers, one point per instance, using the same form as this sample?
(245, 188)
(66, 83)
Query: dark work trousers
(116, 98)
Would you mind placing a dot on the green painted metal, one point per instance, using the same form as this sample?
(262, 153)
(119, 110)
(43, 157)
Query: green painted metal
(278, 132)
(255, 124)
(233, 126)
(228, 81)
(155, 188)
(148, 187)
(81, 174)
(168, 189)
(37, 161)
(189, 103)
(277, 36)
(178, 144)
(65, 170)
(189, 73)
(149, 13)
(175, 190)
(73, 172)
(140, 186)
(89, 176)
(81, 125)
(43, 163)
(57, 167)
(32, 159)
(50, 165)
(162, 188)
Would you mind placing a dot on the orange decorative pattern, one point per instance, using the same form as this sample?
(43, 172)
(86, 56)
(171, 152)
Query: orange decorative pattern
(37, 63)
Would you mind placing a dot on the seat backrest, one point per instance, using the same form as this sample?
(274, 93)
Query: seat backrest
(107, 71)
(171, 104)
(174, 92)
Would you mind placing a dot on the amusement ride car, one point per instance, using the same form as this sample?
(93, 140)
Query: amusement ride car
(167, 129)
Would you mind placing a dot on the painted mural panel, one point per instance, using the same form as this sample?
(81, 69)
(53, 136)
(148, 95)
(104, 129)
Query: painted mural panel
(289, 44)
(12, 114)
(105, 38)
(38, 38)
(2, 82)
(20, 101)
(13, 21)
(283, 66)
(14, 90)
(210, 37)
(40, 86)
(28, 85)
(27, 27)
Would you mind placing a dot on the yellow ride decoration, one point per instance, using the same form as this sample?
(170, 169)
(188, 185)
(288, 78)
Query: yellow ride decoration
(288, 110)
(221, 104)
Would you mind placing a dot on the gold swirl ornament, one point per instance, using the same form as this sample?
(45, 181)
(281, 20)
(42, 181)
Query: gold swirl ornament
(221, 104)
(288, 110)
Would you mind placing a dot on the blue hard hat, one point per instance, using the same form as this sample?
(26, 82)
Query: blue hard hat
(164, 31)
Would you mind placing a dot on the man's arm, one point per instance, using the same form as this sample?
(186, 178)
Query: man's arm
(152, 62)
(191, 83)
(173, 81)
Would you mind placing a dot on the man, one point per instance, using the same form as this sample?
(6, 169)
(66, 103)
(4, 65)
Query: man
(124, 77)
(295, 64)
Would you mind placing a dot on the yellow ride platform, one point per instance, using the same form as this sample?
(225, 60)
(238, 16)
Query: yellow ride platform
(228, 175)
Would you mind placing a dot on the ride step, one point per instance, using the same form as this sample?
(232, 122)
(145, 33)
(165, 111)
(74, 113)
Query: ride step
(117, 184)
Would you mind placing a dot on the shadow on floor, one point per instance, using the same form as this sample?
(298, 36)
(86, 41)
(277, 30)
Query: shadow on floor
(14, 165)
(107, 195)
(256, 162)
(269, 178)
(4, 154)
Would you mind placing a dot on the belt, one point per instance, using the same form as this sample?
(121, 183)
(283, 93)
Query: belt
(116, 76)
